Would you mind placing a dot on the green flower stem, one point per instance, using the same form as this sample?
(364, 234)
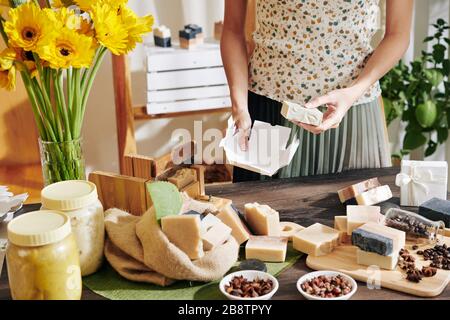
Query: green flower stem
(76, 105)
(58, 80)
(69, 85)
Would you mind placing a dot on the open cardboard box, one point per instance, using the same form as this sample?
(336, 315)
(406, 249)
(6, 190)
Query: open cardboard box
(267, 148)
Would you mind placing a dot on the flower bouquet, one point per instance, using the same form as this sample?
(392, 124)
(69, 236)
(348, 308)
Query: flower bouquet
(57, 47)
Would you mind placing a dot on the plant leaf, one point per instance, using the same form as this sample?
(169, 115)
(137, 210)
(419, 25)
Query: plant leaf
(442, 135)
(431, 148)
(166, 198)
(413, 140)
(434, 76)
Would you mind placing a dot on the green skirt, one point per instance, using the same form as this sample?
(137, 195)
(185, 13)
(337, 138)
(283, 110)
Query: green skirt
(359, 142)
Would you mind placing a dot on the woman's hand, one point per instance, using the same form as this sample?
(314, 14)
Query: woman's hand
(242, 124)
(338, 102)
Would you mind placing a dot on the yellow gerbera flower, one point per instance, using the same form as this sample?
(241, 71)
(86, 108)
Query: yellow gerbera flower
(28, 26)
(136, 26)
(68, 49)
(87, 5)
(109, 28)
(28, 64)
(7, 69)
(70, 19)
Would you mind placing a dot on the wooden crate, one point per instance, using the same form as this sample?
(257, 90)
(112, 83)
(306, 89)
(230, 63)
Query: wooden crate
(180, 80)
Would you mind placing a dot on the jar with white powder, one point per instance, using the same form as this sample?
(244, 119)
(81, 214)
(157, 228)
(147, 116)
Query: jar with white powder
(79, 200)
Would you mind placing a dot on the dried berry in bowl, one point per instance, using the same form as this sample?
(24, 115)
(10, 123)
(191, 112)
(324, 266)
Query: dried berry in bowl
(242, 287)
(327, 286)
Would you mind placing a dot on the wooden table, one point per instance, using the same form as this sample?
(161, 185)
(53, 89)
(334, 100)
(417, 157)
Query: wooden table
(305, 201)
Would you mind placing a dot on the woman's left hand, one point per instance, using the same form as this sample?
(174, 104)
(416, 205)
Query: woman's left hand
(338, 102)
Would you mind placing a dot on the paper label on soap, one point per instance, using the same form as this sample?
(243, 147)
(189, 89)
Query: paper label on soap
(267, 150)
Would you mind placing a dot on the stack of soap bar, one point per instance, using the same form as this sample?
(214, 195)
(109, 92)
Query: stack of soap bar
(262, 219)
(340, 224)
(359, 215)
(288, 229)
(230, 217)
(197, 30)
(190, 36)
(316, 240)
(377, 238)
(348, 194)
(419, 181)
(264, 248)
(378, 245)
(183, 177)
(374, 196)
(437, 210)
(295, 112)
(185, 232)
(162, 36)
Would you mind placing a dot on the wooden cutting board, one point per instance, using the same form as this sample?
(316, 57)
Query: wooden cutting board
(343, 259)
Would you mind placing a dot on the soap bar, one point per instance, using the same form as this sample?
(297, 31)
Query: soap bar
(209, 221)
(316, 240)
(183, 177)
(238, 230)
(265, 248)
(436, 209)
(370, 259)
(295, 112)
(350, 192)
(374, 196)
(262, 219)
(359, 215)
(162, 36)
(288, 229)
(377, 238)
(216, 235)
(185, 232)
(340, 224)
(203, 207)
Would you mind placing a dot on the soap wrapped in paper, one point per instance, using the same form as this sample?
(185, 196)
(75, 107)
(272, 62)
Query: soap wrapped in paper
(419, 181)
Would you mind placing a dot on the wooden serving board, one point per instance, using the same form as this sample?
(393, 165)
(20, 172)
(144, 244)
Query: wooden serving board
(343, 259)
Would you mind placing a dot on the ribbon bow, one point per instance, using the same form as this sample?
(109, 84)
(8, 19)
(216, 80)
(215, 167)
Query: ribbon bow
(418, 178)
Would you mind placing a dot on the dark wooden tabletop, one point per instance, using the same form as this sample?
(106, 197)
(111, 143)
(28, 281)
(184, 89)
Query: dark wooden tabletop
(305, 201)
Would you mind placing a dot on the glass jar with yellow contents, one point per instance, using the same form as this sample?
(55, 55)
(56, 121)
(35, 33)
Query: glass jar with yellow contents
(42, 257)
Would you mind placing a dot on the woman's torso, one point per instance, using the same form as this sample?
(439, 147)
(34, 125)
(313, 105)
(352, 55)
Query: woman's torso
(306, 48)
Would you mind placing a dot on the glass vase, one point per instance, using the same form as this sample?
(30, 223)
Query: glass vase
(62, 161)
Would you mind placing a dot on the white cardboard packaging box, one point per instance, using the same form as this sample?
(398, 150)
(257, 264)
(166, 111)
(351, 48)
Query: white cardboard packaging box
(419, 181)
(267, 148)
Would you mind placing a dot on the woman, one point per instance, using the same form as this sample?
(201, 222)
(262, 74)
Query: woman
(315, 53)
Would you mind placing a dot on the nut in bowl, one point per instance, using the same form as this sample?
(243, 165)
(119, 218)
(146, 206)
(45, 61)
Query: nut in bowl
(326, 285)
(248, 285)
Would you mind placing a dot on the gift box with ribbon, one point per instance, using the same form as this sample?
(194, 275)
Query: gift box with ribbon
(419, 181)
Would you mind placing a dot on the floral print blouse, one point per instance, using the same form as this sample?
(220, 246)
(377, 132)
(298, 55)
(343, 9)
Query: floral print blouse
(307, 48)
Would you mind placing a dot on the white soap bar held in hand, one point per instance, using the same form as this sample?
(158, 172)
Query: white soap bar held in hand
(295, 112)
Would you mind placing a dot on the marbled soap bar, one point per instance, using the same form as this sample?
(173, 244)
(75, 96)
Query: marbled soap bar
(295, 112)
(350, 192)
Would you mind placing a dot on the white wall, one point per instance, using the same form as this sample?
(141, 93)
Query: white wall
(100, 135)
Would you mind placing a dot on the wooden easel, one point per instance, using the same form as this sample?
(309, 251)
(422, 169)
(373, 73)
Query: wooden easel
(126, 113)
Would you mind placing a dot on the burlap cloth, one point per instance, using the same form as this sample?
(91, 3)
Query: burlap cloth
(138, 250)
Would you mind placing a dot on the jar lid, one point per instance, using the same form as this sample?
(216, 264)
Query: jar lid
(69, 195)
(39, 228)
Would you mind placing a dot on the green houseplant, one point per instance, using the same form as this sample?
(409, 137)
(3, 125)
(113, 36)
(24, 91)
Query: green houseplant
(419, 93)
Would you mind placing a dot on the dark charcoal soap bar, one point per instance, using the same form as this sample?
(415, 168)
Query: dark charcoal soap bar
(436, 209)
(372, 242)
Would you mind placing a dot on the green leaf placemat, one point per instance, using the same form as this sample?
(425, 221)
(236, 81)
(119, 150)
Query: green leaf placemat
(109, 284)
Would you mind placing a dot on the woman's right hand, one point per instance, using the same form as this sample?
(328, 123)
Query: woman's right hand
(242, 125)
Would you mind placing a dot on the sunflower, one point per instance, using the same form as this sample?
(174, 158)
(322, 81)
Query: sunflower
(68, 49)
(136, 26)
(28, 26)
(110, 31)
(7, 69)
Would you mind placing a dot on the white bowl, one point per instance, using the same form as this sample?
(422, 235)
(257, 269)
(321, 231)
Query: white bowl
(315, 274)
(249, 275)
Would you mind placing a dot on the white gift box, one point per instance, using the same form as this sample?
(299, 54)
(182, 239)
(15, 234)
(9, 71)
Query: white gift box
(267, 150)
(419, 181)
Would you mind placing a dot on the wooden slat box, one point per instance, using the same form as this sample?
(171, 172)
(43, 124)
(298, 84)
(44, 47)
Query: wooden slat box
(180, 80)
